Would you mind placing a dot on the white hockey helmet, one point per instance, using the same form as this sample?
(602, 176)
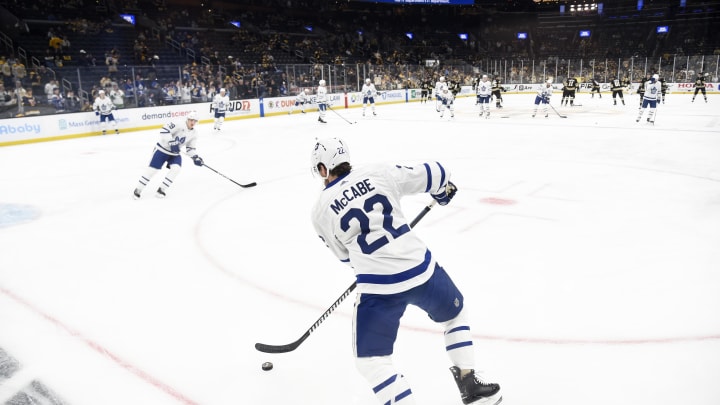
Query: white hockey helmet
(549, 81)
(330, 152)
(442, 78)
(192, 115)
(367, 80)
(322, 82)
(656, 76)
(101, 93)
(222, 90)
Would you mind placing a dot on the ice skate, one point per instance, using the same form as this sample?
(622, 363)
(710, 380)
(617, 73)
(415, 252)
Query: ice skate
(160, 193)
(136, 193)
(475, 391)
(322, 120)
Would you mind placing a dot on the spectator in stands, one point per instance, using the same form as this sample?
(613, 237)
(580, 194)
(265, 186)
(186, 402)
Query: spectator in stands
(117, 96)
(72, 102)
(57, 100)
(28, 99)
(6, 97)
(49, 87)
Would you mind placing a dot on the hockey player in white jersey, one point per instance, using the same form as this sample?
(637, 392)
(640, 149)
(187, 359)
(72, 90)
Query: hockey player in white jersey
(543, 97)
(358, 216)
(438, 91)
(300, 101)
(173, 138)
(103, 108)
(321, 97)
(368, 93)
(447, 102)
(653, 90)
(483, 91)
(220, 104)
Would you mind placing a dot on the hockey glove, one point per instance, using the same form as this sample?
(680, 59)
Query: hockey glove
(197, 160)
(97, 112)
(446, 195)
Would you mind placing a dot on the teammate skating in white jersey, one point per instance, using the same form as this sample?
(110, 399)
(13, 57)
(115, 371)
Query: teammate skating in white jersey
(173, 137)
(358, 216)
(220, 104)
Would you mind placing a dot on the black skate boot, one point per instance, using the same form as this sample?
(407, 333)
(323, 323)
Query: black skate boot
(473, 390)
(160, 193)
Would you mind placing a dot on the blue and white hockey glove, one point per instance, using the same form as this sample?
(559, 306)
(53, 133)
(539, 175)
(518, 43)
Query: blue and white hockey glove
(197, 160)
(446, 195)
(97, 112)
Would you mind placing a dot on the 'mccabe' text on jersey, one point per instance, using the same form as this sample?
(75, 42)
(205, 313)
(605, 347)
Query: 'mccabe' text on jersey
(358, 190)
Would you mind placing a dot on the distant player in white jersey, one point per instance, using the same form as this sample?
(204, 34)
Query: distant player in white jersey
(321, 97)
(103, 108)
(359, 218)
(220, 104)
(368, 93)
(168, 150)
(653, 90)
(447, 102)
(543, 97)
(300, 101)
(438, 91)
(483, 91)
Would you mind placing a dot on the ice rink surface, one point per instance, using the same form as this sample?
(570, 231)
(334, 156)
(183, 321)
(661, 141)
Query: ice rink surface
(588, 249)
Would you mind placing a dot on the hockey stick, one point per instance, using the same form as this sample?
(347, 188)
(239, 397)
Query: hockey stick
(349, 122)
(265, 348)
(253, 184)
(556, 111)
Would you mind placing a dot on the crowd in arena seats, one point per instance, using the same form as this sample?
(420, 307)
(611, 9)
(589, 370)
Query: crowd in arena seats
(249, 60)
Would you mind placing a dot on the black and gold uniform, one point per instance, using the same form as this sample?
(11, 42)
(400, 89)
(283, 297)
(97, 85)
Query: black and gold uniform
(496, 91)
(569, 87)
(424, 89)
(595, 89)
(617, 86)
(663, 89)
(700, 87)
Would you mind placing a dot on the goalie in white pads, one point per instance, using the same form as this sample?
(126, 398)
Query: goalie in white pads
(220, 104)
(173, 137)
(103, 108)
(358, 217)
(368, 92)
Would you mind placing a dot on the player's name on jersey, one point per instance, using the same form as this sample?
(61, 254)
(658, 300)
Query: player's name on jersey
(357, 190)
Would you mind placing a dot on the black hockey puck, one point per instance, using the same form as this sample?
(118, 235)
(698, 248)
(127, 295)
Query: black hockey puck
(267, 366)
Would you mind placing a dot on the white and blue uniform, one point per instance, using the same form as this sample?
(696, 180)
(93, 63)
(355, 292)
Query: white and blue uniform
(300, 101)
(543, 96)
(175, 139)
(438, 91)
(483, 91)
(448, 102)
(321, 97)
(358, 216)
(653, 90)
(220, 104)
(368, 93)
(104, 107)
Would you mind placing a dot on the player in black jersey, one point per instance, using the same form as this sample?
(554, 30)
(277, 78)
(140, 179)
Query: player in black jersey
(617, 87)
(700, 86)
(424, 89)
(569, 88)
(497, 90)
(641, 87)
(663, 89)
(595, 89)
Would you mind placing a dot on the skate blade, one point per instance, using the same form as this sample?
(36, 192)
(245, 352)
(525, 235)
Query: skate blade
(491, 400)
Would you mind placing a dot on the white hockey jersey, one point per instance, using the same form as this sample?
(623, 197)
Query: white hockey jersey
(221, 103)
(358, 216)
(104, 105)
(369, 90)
(173, 137)
(483, 88)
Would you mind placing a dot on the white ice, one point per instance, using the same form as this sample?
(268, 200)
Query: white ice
(588, 249)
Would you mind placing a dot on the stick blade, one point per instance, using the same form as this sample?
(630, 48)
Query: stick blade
(253, 184)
